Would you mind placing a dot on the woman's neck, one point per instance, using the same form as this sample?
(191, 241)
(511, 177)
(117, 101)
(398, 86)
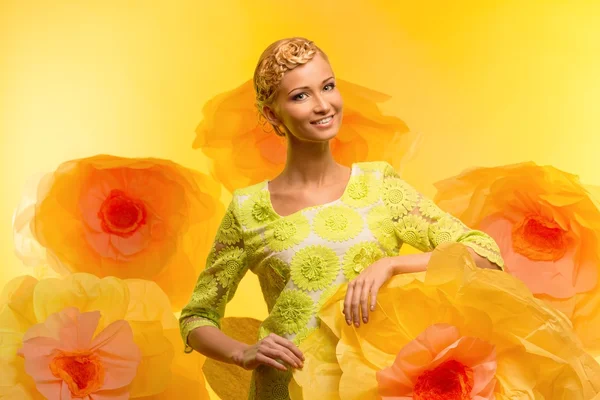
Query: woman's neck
(311, 164)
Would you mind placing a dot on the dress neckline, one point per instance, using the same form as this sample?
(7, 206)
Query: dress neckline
(339, 199)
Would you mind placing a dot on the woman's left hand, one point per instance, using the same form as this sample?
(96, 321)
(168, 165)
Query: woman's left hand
(367, 283)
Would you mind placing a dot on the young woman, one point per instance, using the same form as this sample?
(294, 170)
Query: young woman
(313, 227)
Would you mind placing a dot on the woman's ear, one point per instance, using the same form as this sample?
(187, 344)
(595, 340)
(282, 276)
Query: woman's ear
(271, 116)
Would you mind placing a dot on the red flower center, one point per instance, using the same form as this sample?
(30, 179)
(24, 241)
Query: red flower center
(451, 380)
(82, 372)
(539, 239)
(121, 215)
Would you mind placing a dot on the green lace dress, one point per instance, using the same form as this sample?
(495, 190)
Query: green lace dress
(302, 258)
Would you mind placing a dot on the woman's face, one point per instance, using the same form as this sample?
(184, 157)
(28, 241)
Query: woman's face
(308, 102)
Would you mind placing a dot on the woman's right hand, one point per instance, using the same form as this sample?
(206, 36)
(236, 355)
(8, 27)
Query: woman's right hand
(271, 350)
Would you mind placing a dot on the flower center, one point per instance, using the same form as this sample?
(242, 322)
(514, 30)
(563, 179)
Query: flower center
(358, 190)
(312, 269)
(337, 222)
(260, 212)
(231, 266)
(227, 222)
(539, 239)
(387, 226)
(290, 311)
(121, 215)
(395, 196)
(82, 372)
(284, 231)
(451, 380)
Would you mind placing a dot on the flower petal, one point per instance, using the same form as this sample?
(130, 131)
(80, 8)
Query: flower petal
(118, 353)
(86, 292)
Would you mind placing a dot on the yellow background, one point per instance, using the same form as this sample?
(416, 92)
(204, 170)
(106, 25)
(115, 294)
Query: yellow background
(486, 82)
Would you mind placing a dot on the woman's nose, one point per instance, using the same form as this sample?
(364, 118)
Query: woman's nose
(321, 105)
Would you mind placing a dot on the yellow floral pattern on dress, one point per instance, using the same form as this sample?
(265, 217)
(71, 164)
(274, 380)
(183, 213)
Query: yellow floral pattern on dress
(412, 229)
(446, 230)
(338, 223)
(256, 211)
(399, 197)
(291, 313)
(303, 334)
(384, 229)
(359, 257)
(314, 267)
(205, 290)
(274, 276)
(226, 265)
(271, 383)
(361, 192)
(232, 256)
(288, 232)
(301, 259)
(428, 209)
(228, 232)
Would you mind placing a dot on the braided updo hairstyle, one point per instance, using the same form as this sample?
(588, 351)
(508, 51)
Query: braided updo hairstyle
(277, 59)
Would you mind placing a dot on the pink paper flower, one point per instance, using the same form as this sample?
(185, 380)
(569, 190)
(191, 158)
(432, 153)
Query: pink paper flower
(67, 361)
(440, 364)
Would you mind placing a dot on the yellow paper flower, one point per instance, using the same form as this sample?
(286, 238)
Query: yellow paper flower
(245, 151)
(547, 226)
(85, 336)
(459, 329)
(130, 218)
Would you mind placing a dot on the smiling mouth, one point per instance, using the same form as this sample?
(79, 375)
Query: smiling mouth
(323, 121)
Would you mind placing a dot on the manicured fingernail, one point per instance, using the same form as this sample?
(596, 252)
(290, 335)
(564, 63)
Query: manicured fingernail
(357, 324)
(372, 308)
(365, 320)
(349, 322)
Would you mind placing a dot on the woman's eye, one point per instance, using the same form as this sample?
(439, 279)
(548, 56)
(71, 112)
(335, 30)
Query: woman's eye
(330, 86)
(299, 96)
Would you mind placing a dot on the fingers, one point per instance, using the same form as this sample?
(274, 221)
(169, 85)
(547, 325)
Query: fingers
(358, 288)
(348, 302)
(274, 348)
(283, 354)
(263, 359)
(357, 300)
(374, 291)
(289, 345)
(364, 301)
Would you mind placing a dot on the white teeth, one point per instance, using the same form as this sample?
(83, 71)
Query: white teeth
(323, 121)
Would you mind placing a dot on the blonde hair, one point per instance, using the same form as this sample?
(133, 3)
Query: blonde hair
(277, 59)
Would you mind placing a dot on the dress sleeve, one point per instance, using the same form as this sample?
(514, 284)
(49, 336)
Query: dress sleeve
(422, 224)
(226, 265)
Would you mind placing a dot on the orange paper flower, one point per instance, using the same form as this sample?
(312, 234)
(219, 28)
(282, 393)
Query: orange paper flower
(547, 226)
(91, 338)
(246, 151)
(454, 332)
(130, 218)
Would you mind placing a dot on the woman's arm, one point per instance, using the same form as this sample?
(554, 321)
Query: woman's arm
(361, 295)
(422, 224)
(418, 262)
(200, 318)
(213, 343)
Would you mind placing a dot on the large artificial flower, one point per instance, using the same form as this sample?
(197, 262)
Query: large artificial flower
(245, 151)
(130, 218)
(91, 338)
(454, 332)
(547, 225)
